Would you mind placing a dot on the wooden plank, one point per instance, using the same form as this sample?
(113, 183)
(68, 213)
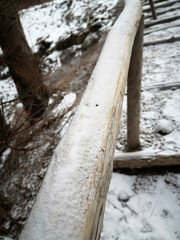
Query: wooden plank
(169, 19)
(139, 160)
(172, 9)
(163, 86)
(168, 10)
(70, 204)
(161, 5)
(134, 91)
(155, 1)
(160, 29)
(163, 41)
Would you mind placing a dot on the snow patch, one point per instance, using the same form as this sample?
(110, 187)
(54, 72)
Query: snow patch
(152, 206)
(172, 141)
(4, 156)
(66, 103)
(69, 100)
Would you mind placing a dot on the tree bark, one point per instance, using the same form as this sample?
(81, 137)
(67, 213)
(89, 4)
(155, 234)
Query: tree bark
(22, 63)
(3, 129)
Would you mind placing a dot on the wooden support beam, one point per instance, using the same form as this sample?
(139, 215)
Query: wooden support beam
(134, 90)
(70, 204)
(166, 20)
(152, 9)
(145, 160)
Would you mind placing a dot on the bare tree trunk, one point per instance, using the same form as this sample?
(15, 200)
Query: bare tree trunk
(3, 129)
(21, 62)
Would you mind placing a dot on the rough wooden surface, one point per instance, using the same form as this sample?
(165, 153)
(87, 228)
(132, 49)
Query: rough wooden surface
(138, 160)
(70, 204)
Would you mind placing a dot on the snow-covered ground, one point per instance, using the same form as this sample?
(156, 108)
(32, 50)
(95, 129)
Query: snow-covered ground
(141, 207)
(59, 19)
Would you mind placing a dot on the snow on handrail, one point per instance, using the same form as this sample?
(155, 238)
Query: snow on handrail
(71, 201)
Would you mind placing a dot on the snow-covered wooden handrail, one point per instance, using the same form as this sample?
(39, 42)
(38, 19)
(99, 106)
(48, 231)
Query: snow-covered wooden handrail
(70, 204)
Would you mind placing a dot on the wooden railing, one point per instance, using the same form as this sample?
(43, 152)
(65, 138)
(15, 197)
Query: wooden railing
(70, 204)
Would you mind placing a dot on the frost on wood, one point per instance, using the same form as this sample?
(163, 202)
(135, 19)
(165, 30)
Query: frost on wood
(71, 201)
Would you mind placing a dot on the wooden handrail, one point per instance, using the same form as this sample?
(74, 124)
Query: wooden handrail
(71, 201)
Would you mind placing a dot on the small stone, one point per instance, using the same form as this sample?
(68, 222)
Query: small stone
(123, 197)
(164, 127)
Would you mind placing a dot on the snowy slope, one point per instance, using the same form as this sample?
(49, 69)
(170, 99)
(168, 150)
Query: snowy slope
(57, 20)
(54, 22)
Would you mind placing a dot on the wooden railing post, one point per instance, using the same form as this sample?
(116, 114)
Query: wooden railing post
(134, 90)
(151, 3)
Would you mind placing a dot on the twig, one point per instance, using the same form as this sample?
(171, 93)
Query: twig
(124, 217)
(26, 149)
